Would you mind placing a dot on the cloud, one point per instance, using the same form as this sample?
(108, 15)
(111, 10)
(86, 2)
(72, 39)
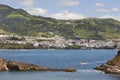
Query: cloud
(66, 15)
(68, 3)
(37, 11)
(115, 9)
(30, 7)
(103, 10)
(108, 10)
(27, 3)
(99, 4)
(109, 16)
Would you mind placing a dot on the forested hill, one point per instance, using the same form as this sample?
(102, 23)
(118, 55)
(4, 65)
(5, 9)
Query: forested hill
(19, 22)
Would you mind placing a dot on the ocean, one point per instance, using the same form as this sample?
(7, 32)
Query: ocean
(83, 60)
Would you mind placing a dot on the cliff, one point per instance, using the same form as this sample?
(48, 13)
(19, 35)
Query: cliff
(112, 66)
(19, 66)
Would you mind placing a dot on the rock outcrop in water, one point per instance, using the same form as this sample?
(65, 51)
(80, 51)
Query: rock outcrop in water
(112, 66)
(19, 66)
(3, 65)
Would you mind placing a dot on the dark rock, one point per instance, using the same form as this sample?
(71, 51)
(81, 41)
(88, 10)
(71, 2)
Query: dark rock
(19, 66)
(119, 53)
(70, 69)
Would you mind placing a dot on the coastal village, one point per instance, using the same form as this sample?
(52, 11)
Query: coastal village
(60, 42)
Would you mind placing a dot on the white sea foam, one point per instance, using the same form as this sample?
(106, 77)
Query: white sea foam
(85, 63)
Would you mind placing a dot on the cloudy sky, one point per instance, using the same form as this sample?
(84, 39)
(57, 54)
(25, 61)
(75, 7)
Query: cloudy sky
(68, 9)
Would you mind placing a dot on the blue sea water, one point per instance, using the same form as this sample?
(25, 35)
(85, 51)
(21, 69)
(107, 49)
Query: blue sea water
(60, 59)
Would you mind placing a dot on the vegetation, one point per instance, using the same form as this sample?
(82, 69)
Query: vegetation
(20, 22)
(115, 60)
(16, 46)
(74, 47)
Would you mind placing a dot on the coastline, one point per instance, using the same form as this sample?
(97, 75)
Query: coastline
(8, 65)
(112, 66)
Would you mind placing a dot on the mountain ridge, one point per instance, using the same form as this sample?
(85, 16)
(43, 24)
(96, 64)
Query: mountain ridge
(19, 22)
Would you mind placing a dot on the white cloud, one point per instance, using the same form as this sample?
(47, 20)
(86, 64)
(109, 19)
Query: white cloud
(108, 10)
(115, 9)
(103, 10)
(37, 11)
(27, 3)
(30, 7)
(99, 4)
(68, 3)
(112, 17)
(66, 15)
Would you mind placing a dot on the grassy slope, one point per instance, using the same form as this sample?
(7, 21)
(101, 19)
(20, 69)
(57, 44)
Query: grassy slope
(22, 23)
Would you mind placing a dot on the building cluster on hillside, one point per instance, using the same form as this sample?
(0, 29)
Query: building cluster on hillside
(60, 42)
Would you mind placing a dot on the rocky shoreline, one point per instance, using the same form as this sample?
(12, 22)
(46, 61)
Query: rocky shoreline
(112, 66)
(19, 66)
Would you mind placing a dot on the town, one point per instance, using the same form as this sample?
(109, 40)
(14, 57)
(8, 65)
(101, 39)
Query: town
(56, 43)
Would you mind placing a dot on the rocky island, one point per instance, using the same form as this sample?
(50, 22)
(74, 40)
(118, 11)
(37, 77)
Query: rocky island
(19, 66)
(112, 66)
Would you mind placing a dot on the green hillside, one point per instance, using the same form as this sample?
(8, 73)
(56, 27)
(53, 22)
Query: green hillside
(20, 22)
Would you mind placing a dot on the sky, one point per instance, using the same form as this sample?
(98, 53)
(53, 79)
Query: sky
(68, 9)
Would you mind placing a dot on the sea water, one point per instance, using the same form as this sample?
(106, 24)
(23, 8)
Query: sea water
(60, 59)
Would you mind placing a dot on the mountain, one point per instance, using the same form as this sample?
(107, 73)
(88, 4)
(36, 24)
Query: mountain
(20, 22)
